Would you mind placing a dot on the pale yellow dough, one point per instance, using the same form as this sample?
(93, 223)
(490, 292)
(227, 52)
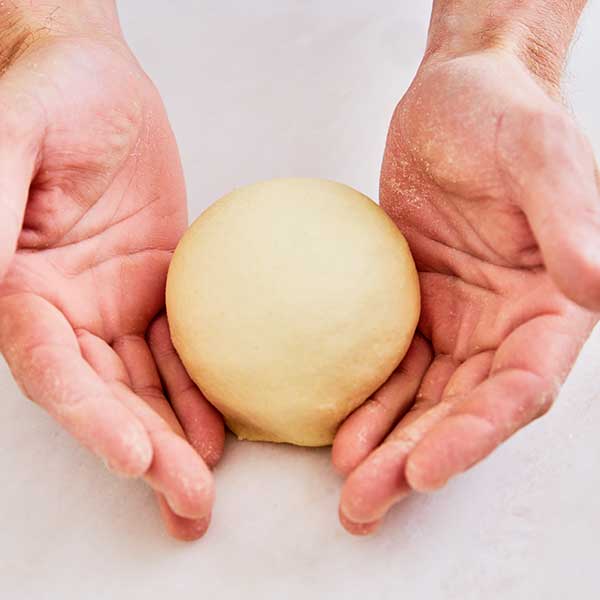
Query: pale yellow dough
(290, 302)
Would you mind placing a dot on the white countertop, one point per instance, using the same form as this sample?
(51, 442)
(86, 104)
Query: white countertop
(258, 90)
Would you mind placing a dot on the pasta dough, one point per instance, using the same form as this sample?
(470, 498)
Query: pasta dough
(290, 302)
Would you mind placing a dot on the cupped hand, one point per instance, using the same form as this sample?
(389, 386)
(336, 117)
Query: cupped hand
(92, 204)
(497, 193)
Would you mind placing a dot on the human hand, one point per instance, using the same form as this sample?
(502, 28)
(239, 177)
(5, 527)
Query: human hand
(497, 193)
(92, 204)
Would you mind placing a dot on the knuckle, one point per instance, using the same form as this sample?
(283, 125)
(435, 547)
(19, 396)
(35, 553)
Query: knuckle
(150, 392)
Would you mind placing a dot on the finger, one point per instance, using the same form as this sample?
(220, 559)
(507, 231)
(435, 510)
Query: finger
(202, 423)
(468, 376)
(375, 485)
(19, 146)
(430, 392)
(144, 378)
(177, 471)
(500, 406)
(364, 429)
(358, 529)
(111, 368)
(102, 358)
(186, 530)
(380, 482)
(43, 354)
(448, 384)
(550, 172)
(525, 378)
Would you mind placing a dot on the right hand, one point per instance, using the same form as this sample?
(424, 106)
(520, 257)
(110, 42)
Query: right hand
(92, 205)
(497, 193)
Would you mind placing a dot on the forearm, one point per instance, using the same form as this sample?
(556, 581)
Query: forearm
(538, 31)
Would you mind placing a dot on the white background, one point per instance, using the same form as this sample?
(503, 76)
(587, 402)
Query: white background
(257, 90)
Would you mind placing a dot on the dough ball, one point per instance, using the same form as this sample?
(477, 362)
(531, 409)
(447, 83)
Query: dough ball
(290, 302)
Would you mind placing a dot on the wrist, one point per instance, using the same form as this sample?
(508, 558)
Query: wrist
(537, 32)
(24, 21)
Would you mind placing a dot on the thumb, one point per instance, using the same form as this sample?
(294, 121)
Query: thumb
(552, 176)
(19, 147)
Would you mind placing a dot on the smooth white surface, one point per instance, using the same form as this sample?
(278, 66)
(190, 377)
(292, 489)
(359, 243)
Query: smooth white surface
(264, 89)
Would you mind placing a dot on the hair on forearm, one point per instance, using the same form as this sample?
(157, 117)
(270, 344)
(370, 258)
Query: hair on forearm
(17, 36)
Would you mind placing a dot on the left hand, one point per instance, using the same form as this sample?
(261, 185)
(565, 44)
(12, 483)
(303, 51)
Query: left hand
(497, 193)
(92, 204)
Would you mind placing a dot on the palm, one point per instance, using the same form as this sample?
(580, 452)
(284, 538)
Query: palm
(496, 336)
(484, 285)
(106, 206)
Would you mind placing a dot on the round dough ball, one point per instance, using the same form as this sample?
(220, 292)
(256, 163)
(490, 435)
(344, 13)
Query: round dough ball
(290, 302)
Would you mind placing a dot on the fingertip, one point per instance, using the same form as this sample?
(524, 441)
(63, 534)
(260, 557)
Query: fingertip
(354, 440)
(210, 446)
(180, 475)
(179, 528)
(355, 507)
(194, 496)
(358, 529)
(191, 530)
(375, 486)
(204, 427)
(357, 437)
